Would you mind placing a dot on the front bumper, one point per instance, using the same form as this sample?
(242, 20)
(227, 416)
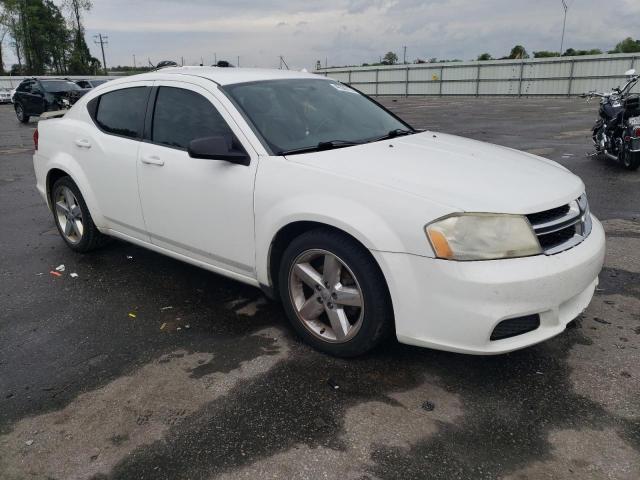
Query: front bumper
(455, 306)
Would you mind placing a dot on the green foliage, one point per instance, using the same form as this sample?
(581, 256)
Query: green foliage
(628, 45)
(518, 52)
(42, 40)
(390, 58)
(571, 52)
(484, 57)
(545, 54)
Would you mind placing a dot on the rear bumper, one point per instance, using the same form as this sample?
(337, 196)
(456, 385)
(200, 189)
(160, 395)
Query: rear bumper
(456, 305)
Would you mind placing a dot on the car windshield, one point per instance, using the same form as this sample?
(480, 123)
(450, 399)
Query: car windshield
(95, 83)
(59, 86)
(298, 115)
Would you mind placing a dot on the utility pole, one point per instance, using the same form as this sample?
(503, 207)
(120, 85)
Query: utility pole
(564, 23)
(238, 65)
(102, 40)
(182, 61)
(404, 55)
(134, 61)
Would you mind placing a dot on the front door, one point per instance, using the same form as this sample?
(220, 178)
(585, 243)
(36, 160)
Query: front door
(199, 208)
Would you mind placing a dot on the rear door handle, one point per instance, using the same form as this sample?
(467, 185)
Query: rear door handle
(152, 160)
(83, 143)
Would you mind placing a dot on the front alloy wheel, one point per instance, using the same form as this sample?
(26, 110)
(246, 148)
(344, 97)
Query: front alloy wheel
(333, 293)
(326, 296)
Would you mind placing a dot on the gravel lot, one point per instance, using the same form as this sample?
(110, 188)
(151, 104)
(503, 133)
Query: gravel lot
(207, 381)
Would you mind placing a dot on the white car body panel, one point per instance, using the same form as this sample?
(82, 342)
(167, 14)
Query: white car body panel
(224, 217)
(210, 212)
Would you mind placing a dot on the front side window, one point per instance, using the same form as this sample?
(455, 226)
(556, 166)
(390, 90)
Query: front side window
(301, 114)
(121, 112)
(182, 115)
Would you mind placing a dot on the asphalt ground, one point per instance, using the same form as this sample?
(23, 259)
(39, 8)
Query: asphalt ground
(145, 367)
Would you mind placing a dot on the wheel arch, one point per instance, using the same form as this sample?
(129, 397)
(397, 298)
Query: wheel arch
(59, 170)
(287, 233)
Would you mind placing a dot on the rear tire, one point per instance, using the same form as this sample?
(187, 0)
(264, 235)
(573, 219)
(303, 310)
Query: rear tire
(334, 294)
(630, 160)
(20, 113)
(72, 217)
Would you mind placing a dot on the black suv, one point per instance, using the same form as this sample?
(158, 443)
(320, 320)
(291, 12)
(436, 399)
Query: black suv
(35, 96)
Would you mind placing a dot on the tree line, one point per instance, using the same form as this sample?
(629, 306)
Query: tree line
(46, 38)
(628, 45)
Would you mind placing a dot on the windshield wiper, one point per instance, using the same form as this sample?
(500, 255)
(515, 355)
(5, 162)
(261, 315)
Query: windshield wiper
(398, 132)
(328, 145)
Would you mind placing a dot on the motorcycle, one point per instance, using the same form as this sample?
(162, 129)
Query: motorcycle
(616, 133)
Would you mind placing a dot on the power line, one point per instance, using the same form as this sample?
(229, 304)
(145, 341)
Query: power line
(102, 40)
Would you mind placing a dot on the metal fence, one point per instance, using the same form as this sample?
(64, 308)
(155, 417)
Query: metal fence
(13, 81)
(539, 76)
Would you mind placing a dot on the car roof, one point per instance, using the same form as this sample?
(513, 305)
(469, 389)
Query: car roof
(225, 75)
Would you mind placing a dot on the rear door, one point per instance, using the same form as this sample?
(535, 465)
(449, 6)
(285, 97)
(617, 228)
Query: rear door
(108, 152)
(195, 207)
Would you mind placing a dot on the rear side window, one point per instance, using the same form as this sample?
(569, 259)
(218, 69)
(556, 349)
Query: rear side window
(121, 112)
(25, 86)
(182, 115)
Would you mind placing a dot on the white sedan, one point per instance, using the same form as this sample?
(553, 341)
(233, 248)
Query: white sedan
(306, 188)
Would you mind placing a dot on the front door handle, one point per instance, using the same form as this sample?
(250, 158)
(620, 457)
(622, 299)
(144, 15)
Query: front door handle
(152, 160)
(83, 143)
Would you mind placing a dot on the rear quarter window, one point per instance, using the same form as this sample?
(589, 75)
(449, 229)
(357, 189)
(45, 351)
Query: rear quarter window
(121, 112)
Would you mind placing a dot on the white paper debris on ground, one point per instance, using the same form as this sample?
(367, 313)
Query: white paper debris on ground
(73, 275)
(168, 307)
(60, 268)
(28, 443)
(129, 257)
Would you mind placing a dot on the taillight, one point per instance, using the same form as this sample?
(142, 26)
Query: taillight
(636, 132)
(35, 138)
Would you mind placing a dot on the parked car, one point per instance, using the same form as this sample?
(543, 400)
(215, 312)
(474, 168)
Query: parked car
(37, 95)
(5, 95)
(310, 190)
(90, 82)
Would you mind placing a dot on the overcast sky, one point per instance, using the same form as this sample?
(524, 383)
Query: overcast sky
(348, 31)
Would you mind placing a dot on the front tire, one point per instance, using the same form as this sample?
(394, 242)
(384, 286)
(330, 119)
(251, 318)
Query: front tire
(334, 293)
(72, 217)
(20, 114)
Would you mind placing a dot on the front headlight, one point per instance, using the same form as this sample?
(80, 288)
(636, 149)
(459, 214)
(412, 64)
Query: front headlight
(482, 236)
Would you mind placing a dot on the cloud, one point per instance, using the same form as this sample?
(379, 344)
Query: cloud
(348, 31)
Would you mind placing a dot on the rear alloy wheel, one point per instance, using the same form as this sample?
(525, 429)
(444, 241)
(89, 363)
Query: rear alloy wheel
(72, 217)
(334, 293)
(20, 114)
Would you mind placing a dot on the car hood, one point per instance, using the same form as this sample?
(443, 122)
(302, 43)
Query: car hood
(461, 173)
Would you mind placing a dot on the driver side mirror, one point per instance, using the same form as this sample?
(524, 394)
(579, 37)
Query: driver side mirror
(630, 73)
(218, 148)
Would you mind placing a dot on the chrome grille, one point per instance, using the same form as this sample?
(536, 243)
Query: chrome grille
(562, 227)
